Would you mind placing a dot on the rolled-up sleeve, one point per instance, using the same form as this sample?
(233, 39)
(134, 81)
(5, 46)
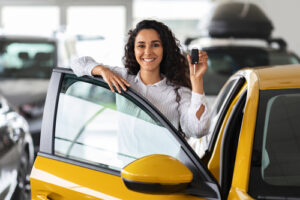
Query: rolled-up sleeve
(84, 65)
(189, 104)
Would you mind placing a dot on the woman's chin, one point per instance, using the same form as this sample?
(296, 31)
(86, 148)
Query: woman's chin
(149, 67)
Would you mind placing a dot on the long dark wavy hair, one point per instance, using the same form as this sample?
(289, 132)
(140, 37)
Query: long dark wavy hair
(173, 66)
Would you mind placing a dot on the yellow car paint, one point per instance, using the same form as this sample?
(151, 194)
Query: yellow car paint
(157, 168)
(74, 182)
(244, 150)
(214, 162)
(278, 77)
(235, 193)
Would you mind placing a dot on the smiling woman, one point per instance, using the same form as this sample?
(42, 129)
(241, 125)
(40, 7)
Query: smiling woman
(155, 67)
(149, 53)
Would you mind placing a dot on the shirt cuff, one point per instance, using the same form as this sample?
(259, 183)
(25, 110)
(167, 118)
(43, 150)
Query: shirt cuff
(90, 66)
(197, 100)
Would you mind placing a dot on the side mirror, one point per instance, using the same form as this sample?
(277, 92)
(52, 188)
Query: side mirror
(156, 174)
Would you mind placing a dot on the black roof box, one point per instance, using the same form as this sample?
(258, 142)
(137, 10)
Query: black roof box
(239, 20)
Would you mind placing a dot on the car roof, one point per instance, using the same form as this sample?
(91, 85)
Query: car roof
(205, 42)
(274, 77)
(26, 38)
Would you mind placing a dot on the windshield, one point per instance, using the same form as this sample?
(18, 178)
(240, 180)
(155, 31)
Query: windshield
(224, 61)
(26, 59)
(276, 142)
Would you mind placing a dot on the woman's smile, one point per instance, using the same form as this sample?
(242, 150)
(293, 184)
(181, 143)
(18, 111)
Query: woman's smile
(148, 59)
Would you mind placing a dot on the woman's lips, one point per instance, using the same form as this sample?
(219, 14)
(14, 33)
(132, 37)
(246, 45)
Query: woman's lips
(148, 59)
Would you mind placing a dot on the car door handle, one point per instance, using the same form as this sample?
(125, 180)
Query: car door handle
(42, 196)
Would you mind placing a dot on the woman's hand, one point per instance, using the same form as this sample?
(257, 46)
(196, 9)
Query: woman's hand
(110, 78)
(200, 69)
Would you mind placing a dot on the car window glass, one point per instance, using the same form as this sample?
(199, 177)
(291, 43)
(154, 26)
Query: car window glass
(283, 59)
(97, 126)
(27, 59)
(275, 160)
(281, 141)
(214, 116)
(225, 61)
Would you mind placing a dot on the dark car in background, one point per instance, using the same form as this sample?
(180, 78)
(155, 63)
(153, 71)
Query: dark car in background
(238, 35)
(25, 68)
(16, 154)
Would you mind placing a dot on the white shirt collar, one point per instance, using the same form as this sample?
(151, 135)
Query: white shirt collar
(159, 83)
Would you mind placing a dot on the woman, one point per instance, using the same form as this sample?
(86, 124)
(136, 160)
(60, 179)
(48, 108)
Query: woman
(155, 67)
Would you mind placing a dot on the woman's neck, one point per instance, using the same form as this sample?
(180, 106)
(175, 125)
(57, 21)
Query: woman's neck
(149, 77)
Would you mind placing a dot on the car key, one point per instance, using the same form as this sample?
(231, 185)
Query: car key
(194, 58)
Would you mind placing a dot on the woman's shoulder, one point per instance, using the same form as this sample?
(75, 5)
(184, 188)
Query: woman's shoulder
(183, 89)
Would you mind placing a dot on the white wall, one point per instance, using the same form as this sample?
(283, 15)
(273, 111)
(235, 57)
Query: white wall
(285, 15)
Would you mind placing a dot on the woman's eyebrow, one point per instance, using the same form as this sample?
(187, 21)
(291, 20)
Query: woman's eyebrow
(153, 41)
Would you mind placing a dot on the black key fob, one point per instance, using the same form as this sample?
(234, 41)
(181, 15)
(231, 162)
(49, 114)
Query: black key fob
(194, 56)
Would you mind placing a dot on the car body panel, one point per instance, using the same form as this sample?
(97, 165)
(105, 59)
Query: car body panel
(82, 183)
(278, 77)
(23, 91)
(15, 141)
(236, 193)
(244, 150)
(214, 162)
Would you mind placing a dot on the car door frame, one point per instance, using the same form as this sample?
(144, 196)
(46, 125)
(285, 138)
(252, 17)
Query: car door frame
(208, 187)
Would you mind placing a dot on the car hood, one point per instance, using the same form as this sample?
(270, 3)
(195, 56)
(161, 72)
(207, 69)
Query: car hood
(23, 91)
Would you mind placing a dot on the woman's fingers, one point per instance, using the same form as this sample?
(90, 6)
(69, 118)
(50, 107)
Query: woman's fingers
(201, 67)
(190, 65)
(125, 82)
(110, 85)
(203, 57)
(120, 83)
(114, 81)
(116, 84)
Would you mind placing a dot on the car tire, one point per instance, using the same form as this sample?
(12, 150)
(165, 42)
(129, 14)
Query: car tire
(22, 191)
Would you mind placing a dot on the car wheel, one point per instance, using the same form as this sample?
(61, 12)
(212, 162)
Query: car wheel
(22, 191)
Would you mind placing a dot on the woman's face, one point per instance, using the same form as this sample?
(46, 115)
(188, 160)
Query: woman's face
(148, 50)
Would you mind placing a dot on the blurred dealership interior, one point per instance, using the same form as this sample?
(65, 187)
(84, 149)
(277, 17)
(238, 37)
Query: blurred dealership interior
(98, 27)
(38, 35)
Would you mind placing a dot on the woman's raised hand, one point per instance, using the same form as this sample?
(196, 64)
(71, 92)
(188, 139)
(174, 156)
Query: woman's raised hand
(200, 69)
(111, 78)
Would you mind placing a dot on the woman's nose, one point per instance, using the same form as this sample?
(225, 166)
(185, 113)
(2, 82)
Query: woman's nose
(148, 50)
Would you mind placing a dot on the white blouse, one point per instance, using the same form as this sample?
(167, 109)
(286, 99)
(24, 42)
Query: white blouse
(161, 95)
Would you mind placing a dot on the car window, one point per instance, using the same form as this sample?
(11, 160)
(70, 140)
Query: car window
(225, 61)
(27, 59)
(276, 154)
(223, 101)
(229, 143)
(97, 126)
(281, 141)
(280, 58)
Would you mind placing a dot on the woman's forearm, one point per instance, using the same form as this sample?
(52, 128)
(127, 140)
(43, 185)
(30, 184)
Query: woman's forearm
(197, 85)
(98, 70)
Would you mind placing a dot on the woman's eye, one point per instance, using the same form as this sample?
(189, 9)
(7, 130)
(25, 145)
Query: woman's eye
(141, 46)
(156, 45)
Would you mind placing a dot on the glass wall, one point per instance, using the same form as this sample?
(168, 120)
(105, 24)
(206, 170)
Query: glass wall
(183, 17)
(37, 20)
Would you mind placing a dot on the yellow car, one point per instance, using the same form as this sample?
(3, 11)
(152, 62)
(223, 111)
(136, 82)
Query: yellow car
(96, 144)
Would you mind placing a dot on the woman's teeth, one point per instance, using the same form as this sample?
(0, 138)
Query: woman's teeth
(148, 59)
